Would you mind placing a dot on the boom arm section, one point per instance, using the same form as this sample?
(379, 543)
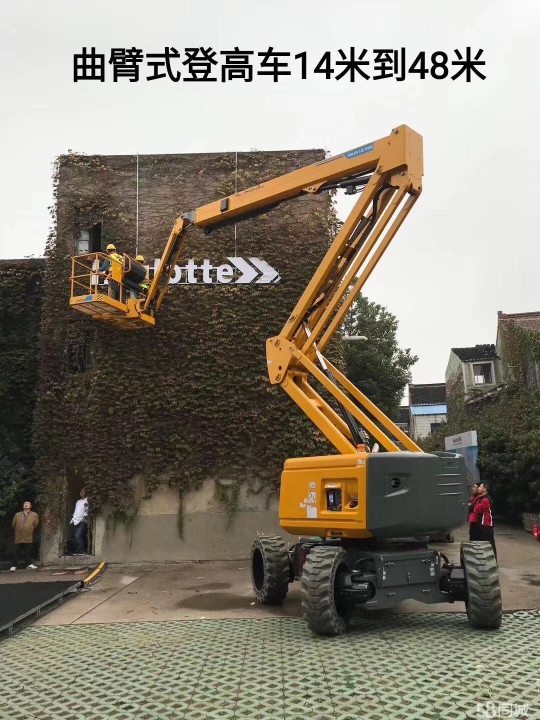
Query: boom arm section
(388, 173)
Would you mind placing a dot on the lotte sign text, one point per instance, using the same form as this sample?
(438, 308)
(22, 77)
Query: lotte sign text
(237, 270)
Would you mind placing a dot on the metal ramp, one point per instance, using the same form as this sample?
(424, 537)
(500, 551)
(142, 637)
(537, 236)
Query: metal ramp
(20, 601)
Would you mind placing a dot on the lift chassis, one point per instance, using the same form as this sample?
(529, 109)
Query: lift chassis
(338, 577)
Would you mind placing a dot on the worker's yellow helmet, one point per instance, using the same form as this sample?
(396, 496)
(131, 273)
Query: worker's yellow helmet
(139, 258)
(110, 246)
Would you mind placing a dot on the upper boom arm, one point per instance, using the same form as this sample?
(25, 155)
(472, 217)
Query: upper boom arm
(403, 148)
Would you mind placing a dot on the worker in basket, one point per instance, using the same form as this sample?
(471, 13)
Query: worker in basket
(145, 284)
(106, 267)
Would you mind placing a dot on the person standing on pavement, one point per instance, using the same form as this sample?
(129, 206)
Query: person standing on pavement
(80, 522)
(483, 509)
(24, 524)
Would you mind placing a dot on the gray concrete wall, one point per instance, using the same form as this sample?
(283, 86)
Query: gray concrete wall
(208, 531)
(453, 369)
(50, 546)
(209, 534)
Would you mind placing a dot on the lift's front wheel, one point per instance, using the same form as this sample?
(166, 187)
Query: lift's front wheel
(484, 602)
(323, 608)
(270, 569)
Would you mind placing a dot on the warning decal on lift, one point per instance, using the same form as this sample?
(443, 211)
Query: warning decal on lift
(310, 502)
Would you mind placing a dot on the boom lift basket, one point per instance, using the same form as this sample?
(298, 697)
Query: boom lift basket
(116, 301)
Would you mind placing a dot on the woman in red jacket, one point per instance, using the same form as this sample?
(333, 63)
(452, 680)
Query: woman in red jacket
(474, 533)
(482, 509)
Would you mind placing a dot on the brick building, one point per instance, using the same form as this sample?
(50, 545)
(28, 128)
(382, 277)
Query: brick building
(176, 425)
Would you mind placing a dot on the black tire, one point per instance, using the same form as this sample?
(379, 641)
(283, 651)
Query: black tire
(484, 602)
(323, 612)
(270, 569)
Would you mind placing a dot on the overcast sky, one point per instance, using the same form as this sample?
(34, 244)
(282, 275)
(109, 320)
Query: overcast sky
(470, 246)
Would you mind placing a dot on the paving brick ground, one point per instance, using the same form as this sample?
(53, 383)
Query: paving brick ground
(429, 666)
(188, 642)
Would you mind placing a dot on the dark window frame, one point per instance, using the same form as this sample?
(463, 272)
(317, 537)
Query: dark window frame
(482, 374)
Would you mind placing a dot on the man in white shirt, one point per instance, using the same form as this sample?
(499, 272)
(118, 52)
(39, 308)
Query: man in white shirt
(79, 521)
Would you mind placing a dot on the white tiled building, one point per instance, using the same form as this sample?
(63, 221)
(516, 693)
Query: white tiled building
(476, 369)
(427, 408)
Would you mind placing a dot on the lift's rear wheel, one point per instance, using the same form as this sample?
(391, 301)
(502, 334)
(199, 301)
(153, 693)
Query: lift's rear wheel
(324, 611)
(270, 569)
(484, 602)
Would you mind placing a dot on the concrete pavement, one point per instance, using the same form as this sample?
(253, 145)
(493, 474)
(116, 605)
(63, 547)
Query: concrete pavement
(222, 590)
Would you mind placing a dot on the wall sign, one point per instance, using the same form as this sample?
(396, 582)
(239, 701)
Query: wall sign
(238, 271)
(465, 444)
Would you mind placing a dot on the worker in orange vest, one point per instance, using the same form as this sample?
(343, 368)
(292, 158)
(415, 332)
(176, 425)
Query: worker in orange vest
(145, 284)
(113, 265)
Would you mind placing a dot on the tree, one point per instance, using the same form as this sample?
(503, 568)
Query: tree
(508, 446)
(15, 486)
(378, 367)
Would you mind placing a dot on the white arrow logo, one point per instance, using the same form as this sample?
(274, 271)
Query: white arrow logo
(249, 273)
(269, 275)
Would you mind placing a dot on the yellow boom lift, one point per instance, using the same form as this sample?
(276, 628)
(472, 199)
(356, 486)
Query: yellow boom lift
(364, 517)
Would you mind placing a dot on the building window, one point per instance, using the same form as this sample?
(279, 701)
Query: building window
(83, 243)
(89, 241)
(483, 374)
(435, 426)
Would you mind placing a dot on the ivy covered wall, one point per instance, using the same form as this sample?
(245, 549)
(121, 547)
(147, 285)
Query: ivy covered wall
(20, 313)
(519, 348)
(190, 398)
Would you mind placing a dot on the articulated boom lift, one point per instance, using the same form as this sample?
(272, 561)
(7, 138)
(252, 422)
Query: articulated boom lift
(365, 516)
